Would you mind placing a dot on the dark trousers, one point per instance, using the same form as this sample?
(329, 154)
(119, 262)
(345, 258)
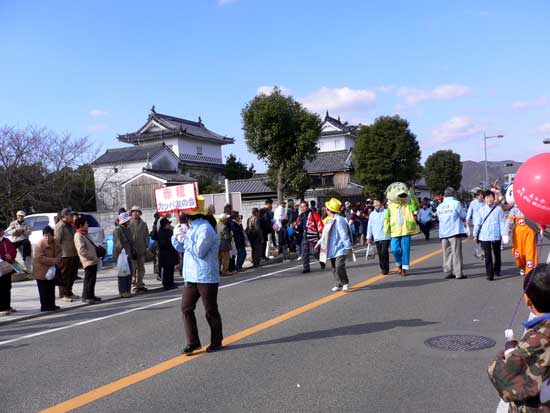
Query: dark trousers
(339, 272)
(5, 292)
(69, 271)
(491, 248)
(125, 284)
(208, 293)
(90, 276)
(25, 246)
(257, 253)
(382, 249)
(167, 274)
(306, 252)
(46, 290)
(241, 256)
(425, 228)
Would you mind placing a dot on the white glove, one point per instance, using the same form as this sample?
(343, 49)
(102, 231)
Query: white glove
(505, 239)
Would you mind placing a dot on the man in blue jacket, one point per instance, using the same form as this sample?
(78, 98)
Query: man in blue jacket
(489, 234)
(451, 231)
(375, 232)
(202, 277)
(473, 215)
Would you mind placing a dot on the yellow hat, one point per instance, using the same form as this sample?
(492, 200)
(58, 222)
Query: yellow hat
(199, 209)
(333, 205)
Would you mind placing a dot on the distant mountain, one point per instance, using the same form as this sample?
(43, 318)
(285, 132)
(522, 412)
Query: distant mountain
(474, 172)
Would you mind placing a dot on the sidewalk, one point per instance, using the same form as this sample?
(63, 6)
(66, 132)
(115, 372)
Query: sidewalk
(25, 299)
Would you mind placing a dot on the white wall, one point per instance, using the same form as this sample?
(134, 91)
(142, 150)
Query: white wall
(189, 146)
(165, 161)
(110, 194)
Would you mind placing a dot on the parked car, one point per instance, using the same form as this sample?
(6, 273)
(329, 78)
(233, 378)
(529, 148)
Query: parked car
(39, 221)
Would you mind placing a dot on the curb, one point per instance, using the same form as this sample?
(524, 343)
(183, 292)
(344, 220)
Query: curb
(73, 307)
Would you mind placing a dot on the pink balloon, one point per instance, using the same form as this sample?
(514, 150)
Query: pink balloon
(532, 188)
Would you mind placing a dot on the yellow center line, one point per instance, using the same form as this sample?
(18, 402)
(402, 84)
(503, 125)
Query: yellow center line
(103, 391)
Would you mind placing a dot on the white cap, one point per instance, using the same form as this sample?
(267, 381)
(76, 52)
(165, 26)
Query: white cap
(509, 334)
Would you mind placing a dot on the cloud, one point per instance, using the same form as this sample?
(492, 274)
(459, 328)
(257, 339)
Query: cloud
(455, 128)
(96, 113)
(442, 92)
(531, 104)
(225, 2)
(98, 127)
(267, 90)
(333, 99)
(544, 129)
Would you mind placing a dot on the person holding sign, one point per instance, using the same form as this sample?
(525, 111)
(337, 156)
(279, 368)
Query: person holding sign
(202, 277)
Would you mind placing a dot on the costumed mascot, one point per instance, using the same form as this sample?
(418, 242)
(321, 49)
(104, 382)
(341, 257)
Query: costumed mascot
(524, 239)
(400, 223)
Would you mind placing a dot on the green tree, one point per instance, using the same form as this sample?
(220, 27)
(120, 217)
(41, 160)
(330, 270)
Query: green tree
(280, 131)
(443, 169)
(235, 169)
(385, 152)
(208, 186)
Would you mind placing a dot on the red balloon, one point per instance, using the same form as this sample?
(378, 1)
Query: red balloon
(532, 188)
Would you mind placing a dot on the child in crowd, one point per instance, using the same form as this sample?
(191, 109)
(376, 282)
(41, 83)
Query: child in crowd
(520, 373)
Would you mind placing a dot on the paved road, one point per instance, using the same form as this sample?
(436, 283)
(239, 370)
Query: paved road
(345, 352)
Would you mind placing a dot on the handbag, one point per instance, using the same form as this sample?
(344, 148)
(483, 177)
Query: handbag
(484, 219)
(99, 250)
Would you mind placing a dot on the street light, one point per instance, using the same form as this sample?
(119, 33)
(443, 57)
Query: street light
(485, 137)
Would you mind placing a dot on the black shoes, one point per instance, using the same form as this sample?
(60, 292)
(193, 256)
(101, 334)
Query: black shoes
(462, 278)
(305, 271)
(323, 265)
(490, 278)
(190, 348)
(54, 308)
(213, 348)
(449, 276)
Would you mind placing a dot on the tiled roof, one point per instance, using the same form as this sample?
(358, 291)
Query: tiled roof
(130, 154)
(343, 128)
(200, 158)
(250, 186)
(174, 127)
(335, 161)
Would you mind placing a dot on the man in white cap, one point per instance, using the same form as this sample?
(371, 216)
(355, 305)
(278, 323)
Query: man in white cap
(140, 237)
(20, 232)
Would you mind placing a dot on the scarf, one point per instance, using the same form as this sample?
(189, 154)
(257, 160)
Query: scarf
(82, 231)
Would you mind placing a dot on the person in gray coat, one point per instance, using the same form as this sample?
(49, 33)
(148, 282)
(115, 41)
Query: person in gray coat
(122, 241)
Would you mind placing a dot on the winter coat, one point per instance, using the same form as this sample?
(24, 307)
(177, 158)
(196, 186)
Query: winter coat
(167, 254)
(46, 255)
(86, 250)
(122, 240)
(20, 226)
(64, 235)
(140, 235)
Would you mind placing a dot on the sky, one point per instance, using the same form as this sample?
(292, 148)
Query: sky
(454, 70)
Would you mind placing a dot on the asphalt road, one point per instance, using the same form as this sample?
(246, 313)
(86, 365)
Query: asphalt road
(361, 351)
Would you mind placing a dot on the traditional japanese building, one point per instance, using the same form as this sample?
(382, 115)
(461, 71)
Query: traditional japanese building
(165, 151)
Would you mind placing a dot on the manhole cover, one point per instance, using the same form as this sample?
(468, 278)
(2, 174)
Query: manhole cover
(460, 342)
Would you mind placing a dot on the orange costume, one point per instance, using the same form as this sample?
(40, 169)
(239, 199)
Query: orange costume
(524, 241)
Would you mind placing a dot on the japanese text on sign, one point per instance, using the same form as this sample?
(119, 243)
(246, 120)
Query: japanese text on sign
(176, 198)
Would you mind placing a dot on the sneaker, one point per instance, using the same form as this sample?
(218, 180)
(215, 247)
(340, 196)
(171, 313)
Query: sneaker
(67, 299)
(299, 258)
(345, 287)
(89, 300)
(6, 312)
(125, 295)
(190, 348)
(334, 289)
(75, 297)
(449, 276)
(97, 299)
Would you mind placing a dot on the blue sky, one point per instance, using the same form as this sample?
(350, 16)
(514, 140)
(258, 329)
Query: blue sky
(453, 69)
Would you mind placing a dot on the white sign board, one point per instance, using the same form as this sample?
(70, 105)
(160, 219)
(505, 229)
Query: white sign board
(176, 198)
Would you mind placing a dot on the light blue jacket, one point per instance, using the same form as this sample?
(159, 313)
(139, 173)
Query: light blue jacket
(178, 245)
(200, 260)
(375, 228)
(339, 242)
(473, 212)
(494, 226)
(451, 218)
(425, 215)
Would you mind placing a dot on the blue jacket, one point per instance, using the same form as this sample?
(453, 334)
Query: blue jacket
(494, 226)
(451, 218)
(200, 260)
(339, 242)
(424, 215)
(375, 228)
(473, 212)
